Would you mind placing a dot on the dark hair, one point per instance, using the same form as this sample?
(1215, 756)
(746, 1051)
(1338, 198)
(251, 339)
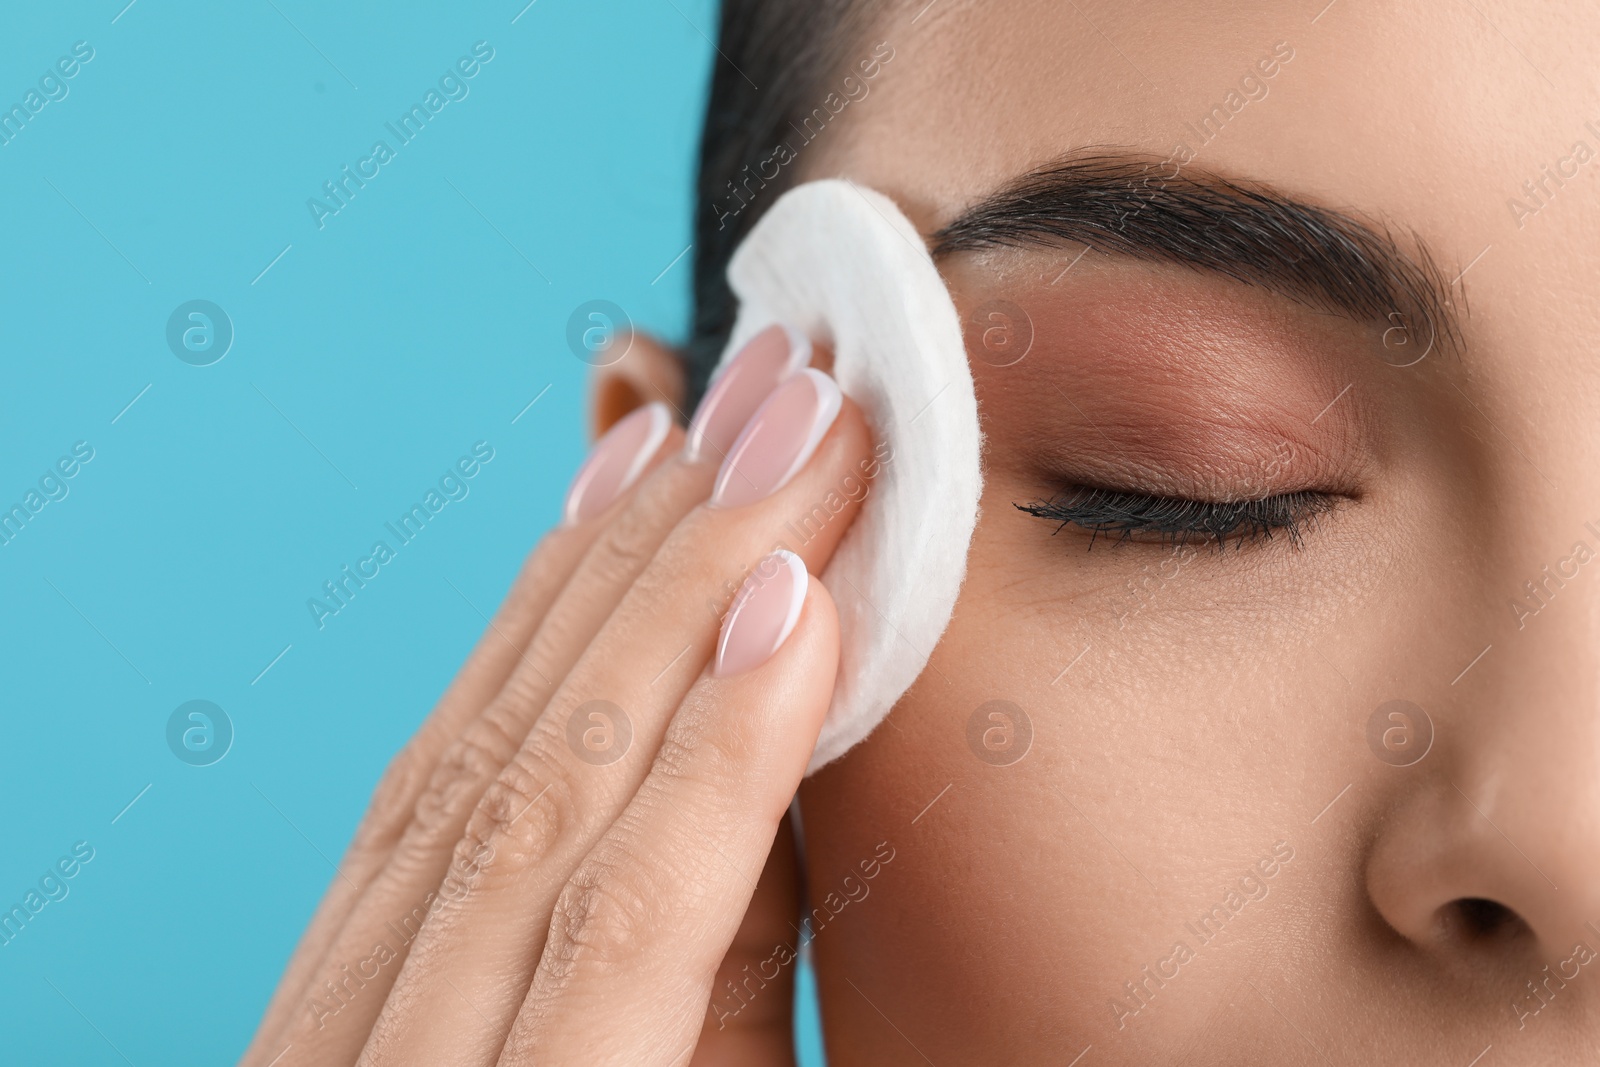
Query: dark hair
(773, 58)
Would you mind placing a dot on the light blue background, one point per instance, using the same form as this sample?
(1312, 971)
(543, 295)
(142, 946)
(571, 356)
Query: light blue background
(367, 359)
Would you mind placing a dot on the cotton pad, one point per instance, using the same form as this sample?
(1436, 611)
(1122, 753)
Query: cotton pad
(842, 264)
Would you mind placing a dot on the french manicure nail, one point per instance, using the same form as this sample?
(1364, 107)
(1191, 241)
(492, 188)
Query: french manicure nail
(778, 439)
(616, 462)
(749, 378)
(763, 614)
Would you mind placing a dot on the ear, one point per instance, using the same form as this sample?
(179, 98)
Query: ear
(648, 371)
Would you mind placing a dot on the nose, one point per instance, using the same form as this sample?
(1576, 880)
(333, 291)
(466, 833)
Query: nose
(1491, 849)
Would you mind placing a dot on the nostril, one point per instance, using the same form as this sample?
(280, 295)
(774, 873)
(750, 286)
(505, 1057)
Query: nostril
(1476, 920)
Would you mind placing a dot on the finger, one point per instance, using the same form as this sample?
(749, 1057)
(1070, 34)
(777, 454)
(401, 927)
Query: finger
(768, 358)
(555, 798)
(487, 668)
(647, 917)
(628, 538)
(460, 748)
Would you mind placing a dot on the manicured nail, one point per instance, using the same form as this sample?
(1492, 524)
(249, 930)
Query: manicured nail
(749, 378)
(616, 462)
(777, 440)
(763, 614)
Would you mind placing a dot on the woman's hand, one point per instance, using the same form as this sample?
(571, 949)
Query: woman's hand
(555, 867)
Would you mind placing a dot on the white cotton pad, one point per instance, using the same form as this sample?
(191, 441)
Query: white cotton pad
(843, 265)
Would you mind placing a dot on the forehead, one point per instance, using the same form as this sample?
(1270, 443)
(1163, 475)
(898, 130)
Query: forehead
(1435, 118)
(1429, 115)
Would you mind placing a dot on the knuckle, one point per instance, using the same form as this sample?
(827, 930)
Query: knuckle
(467, 766)
(497, 733)
(521, 815)
(524, 691)
(393, 801)
(675, 758)
(688, 759)
(701, 748)
(605, 913)
(469, 867)
(626, 545)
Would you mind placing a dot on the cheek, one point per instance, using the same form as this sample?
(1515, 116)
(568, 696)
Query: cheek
(1166, 757)
(1184, 712)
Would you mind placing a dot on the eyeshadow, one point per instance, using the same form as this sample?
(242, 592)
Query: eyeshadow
(1182, 383)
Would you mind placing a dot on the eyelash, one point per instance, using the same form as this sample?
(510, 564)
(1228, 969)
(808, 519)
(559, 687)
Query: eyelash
(1177, 521)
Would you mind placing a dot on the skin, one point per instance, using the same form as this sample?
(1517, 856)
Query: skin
(535, 906)
(1215, 703)
(1199, 716)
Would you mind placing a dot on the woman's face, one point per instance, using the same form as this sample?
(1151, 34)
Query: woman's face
(1223, 844)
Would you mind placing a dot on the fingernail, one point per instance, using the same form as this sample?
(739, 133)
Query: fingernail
(749, 378)
(616, 462)
(777, 440)
(763, 614)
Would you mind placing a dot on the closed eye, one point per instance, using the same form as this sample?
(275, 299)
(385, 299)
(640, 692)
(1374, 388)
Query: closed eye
(1169, 520)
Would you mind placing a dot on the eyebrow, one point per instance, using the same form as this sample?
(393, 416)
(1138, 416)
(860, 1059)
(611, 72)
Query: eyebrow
(1157, 211)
